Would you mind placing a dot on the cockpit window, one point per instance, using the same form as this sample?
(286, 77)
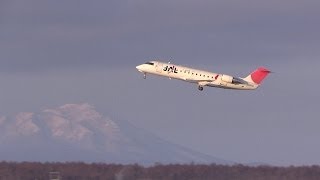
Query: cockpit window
(150, 63)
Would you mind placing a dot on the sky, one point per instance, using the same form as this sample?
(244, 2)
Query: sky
(58, 52)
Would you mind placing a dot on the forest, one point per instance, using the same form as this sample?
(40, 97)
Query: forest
(100, 171)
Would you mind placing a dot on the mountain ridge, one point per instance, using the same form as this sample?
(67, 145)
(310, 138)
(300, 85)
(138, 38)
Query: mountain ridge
(77, 132)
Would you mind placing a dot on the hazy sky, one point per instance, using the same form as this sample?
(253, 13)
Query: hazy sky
(58, 52)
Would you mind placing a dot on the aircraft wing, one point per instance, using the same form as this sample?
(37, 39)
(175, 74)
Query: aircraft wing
(199, 81)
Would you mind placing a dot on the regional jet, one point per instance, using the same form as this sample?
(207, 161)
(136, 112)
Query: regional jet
(204, 78)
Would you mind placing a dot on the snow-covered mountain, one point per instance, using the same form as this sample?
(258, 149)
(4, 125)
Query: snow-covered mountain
(77, 132)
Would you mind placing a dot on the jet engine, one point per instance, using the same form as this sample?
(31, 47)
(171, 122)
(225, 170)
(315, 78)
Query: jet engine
(226, 78)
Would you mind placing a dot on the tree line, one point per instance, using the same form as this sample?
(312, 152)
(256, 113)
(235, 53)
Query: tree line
(101, 171)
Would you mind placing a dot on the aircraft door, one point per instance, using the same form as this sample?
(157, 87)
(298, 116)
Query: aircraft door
(159, 67)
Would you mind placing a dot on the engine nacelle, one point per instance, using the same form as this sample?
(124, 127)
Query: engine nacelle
(226, 78)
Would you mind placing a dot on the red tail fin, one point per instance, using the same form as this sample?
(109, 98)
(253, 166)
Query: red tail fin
(258, 75)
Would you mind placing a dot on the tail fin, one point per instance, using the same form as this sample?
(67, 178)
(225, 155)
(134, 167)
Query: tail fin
(258, 75)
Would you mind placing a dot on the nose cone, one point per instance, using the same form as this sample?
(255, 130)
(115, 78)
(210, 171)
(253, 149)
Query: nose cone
(139, 67)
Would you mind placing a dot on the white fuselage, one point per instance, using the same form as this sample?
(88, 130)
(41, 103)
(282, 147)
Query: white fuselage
(200, 77)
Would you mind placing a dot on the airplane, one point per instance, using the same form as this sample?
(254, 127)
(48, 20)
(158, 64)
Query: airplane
(204, 78)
